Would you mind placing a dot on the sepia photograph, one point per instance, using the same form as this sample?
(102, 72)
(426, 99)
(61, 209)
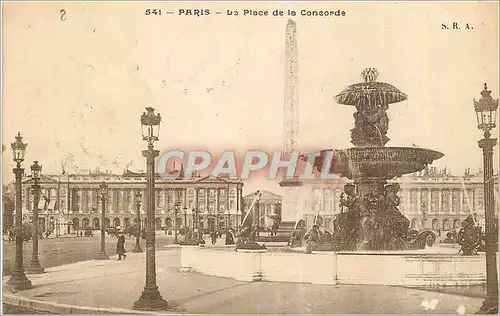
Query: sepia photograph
(247, 157)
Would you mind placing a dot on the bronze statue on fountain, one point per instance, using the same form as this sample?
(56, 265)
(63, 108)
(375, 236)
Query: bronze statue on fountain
(470, 237)
(247, 238)
(298, 235)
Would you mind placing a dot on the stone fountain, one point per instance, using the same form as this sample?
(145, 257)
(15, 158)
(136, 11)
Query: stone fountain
(373, 220)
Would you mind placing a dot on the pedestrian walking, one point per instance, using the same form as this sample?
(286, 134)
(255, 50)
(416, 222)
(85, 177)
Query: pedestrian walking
(214, 237)
(11, 236)
(120, 247)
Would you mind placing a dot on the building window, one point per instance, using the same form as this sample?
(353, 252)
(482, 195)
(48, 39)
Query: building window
(480, 200)
(445, 201)
(316, 205)
(435, 201)
(95, 198)
(414, 208)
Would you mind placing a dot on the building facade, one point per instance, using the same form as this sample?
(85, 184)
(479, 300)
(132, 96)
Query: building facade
(70, 203)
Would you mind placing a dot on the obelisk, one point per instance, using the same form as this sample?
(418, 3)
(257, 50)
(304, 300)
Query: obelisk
(290, 187)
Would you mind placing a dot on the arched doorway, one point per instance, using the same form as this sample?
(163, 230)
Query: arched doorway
(126, 222)
(327, 224)
(168, 223)
(52, 225)
(158, 223)
(85, 223)
(41, 224)
(116, 222)
(76, 224)
(446, 224)
(107, 223)
(96, 223)
(435, 224)
(414, 223)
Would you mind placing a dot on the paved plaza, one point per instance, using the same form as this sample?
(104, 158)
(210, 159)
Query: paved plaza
(69, 249)
(112, 287)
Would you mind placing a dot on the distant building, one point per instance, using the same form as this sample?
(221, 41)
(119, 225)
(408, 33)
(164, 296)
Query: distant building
(70, 203)
(268, 205)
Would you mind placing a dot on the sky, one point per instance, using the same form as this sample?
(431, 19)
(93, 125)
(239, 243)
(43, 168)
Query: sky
(75, 82)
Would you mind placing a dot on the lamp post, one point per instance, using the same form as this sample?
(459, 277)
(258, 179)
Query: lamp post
(185, 221)
(257, 205)
(193, 213)
(138, 198)
(150, 298)
(424, 215)
(176, 212)
(18, 280)
(102, 255)
(486, 110)
(228, 219)
(35, 266)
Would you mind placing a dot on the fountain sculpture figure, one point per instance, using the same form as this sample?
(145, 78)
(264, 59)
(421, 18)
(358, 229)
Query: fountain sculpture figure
(373, 220)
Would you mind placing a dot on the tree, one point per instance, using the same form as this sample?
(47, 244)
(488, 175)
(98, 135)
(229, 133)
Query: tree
(9, 205)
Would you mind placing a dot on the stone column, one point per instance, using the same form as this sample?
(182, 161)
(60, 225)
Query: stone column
(429, 201)
(461, 203)
(80, 202)
(440, 201)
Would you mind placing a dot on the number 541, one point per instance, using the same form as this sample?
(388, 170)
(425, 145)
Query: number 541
(153, 12)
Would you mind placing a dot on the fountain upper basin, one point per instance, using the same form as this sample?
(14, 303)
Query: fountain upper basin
(380, 163)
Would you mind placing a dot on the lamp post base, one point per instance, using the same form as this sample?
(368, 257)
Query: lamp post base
(150, 300)
(18, 281)
(490, 305)
(35, 267)
(137, 249)
(102, 255)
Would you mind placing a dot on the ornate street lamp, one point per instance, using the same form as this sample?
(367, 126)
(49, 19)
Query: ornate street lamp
(257, 208)
(102, 255)
(18, 280)
(138, 198)
(486, 112)
(35, 266)
(193, 213)
(176, 212)
(151, 298)
(185, 220)
(424, 215)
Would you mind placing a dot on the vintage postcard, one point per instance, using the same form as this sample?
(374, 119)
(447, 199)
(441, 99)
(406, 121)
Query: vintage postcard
(250, 157)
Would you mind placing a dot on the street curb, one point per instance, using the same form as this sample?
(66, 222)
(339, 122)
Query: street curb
(57, 308)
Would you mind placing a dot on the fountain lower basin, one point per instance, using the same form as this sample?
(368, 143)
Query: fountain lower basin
(398, 268)
(380, 163)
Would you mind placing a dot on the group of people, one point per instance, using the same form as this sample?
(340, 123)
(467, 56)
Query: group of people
(229, 234)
